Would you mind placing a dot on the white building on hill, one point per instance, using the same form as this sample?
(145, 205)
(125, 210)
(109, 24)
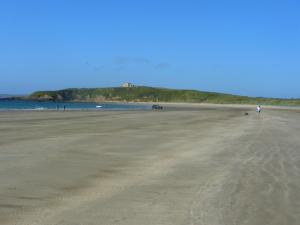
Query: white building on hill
(127, 84)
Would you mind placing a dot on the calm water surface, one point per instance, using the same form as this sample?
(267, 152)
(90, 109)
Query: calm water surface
(50, 105)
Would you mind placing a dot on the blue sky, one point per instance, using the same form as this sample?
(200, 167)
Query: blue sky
(240, 47)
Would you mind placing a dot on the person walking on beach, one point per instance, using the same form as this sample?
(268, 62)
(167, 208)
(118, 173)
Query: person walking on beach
(258, 109)
(64, 107)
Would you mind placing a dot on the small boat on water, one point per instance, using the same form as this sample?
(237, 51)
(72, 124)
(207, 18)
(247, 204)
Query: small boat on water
(99, 106)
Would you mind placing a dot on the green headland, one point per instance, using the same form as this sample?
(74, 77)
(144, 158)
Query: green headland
(152, 94)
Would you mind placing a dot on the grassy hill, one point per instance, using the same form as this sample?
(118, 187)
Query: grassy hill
(150, 94)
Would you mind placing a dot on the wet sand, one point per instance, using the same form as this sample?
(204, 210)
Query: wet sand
(187, 165)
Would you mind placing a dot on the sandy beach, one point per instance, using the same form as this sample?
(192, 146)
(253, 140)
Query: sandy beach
(185, 165)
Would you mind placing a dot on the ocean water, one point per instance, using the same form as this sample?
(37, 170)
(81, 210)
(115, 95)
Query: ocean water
(49, 105)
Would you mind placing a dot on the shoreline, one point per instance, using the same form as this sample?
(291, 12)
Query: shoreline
(166, 105)
(147, 103)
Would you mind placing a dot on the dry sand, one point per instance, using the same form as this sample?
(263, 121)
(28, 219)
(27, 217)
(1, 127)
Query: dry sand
(185, 165)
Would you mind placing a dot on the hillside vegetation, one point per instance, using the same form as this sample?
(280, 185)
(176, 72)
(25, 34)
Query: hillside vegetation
(150, 94)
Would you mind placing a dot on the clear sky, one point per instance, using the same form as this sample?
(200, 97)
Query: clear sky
(244, 47)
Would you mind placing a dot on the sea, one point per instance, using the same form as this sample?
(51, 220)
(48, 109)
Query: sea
(50, 105)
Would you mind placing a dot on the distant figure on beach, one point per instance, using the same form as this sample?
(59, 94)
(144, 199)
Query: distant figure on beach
(258, 109)
(64, 107)
(57, 107)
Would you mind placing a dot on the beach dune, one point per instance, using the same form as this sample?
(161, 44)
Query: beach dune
(183, 165)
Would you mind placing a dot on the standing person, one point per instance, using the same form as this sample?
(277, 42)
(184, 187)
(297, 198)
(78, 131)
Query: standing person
(258, 109)
(64, 107)
(57, 107)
